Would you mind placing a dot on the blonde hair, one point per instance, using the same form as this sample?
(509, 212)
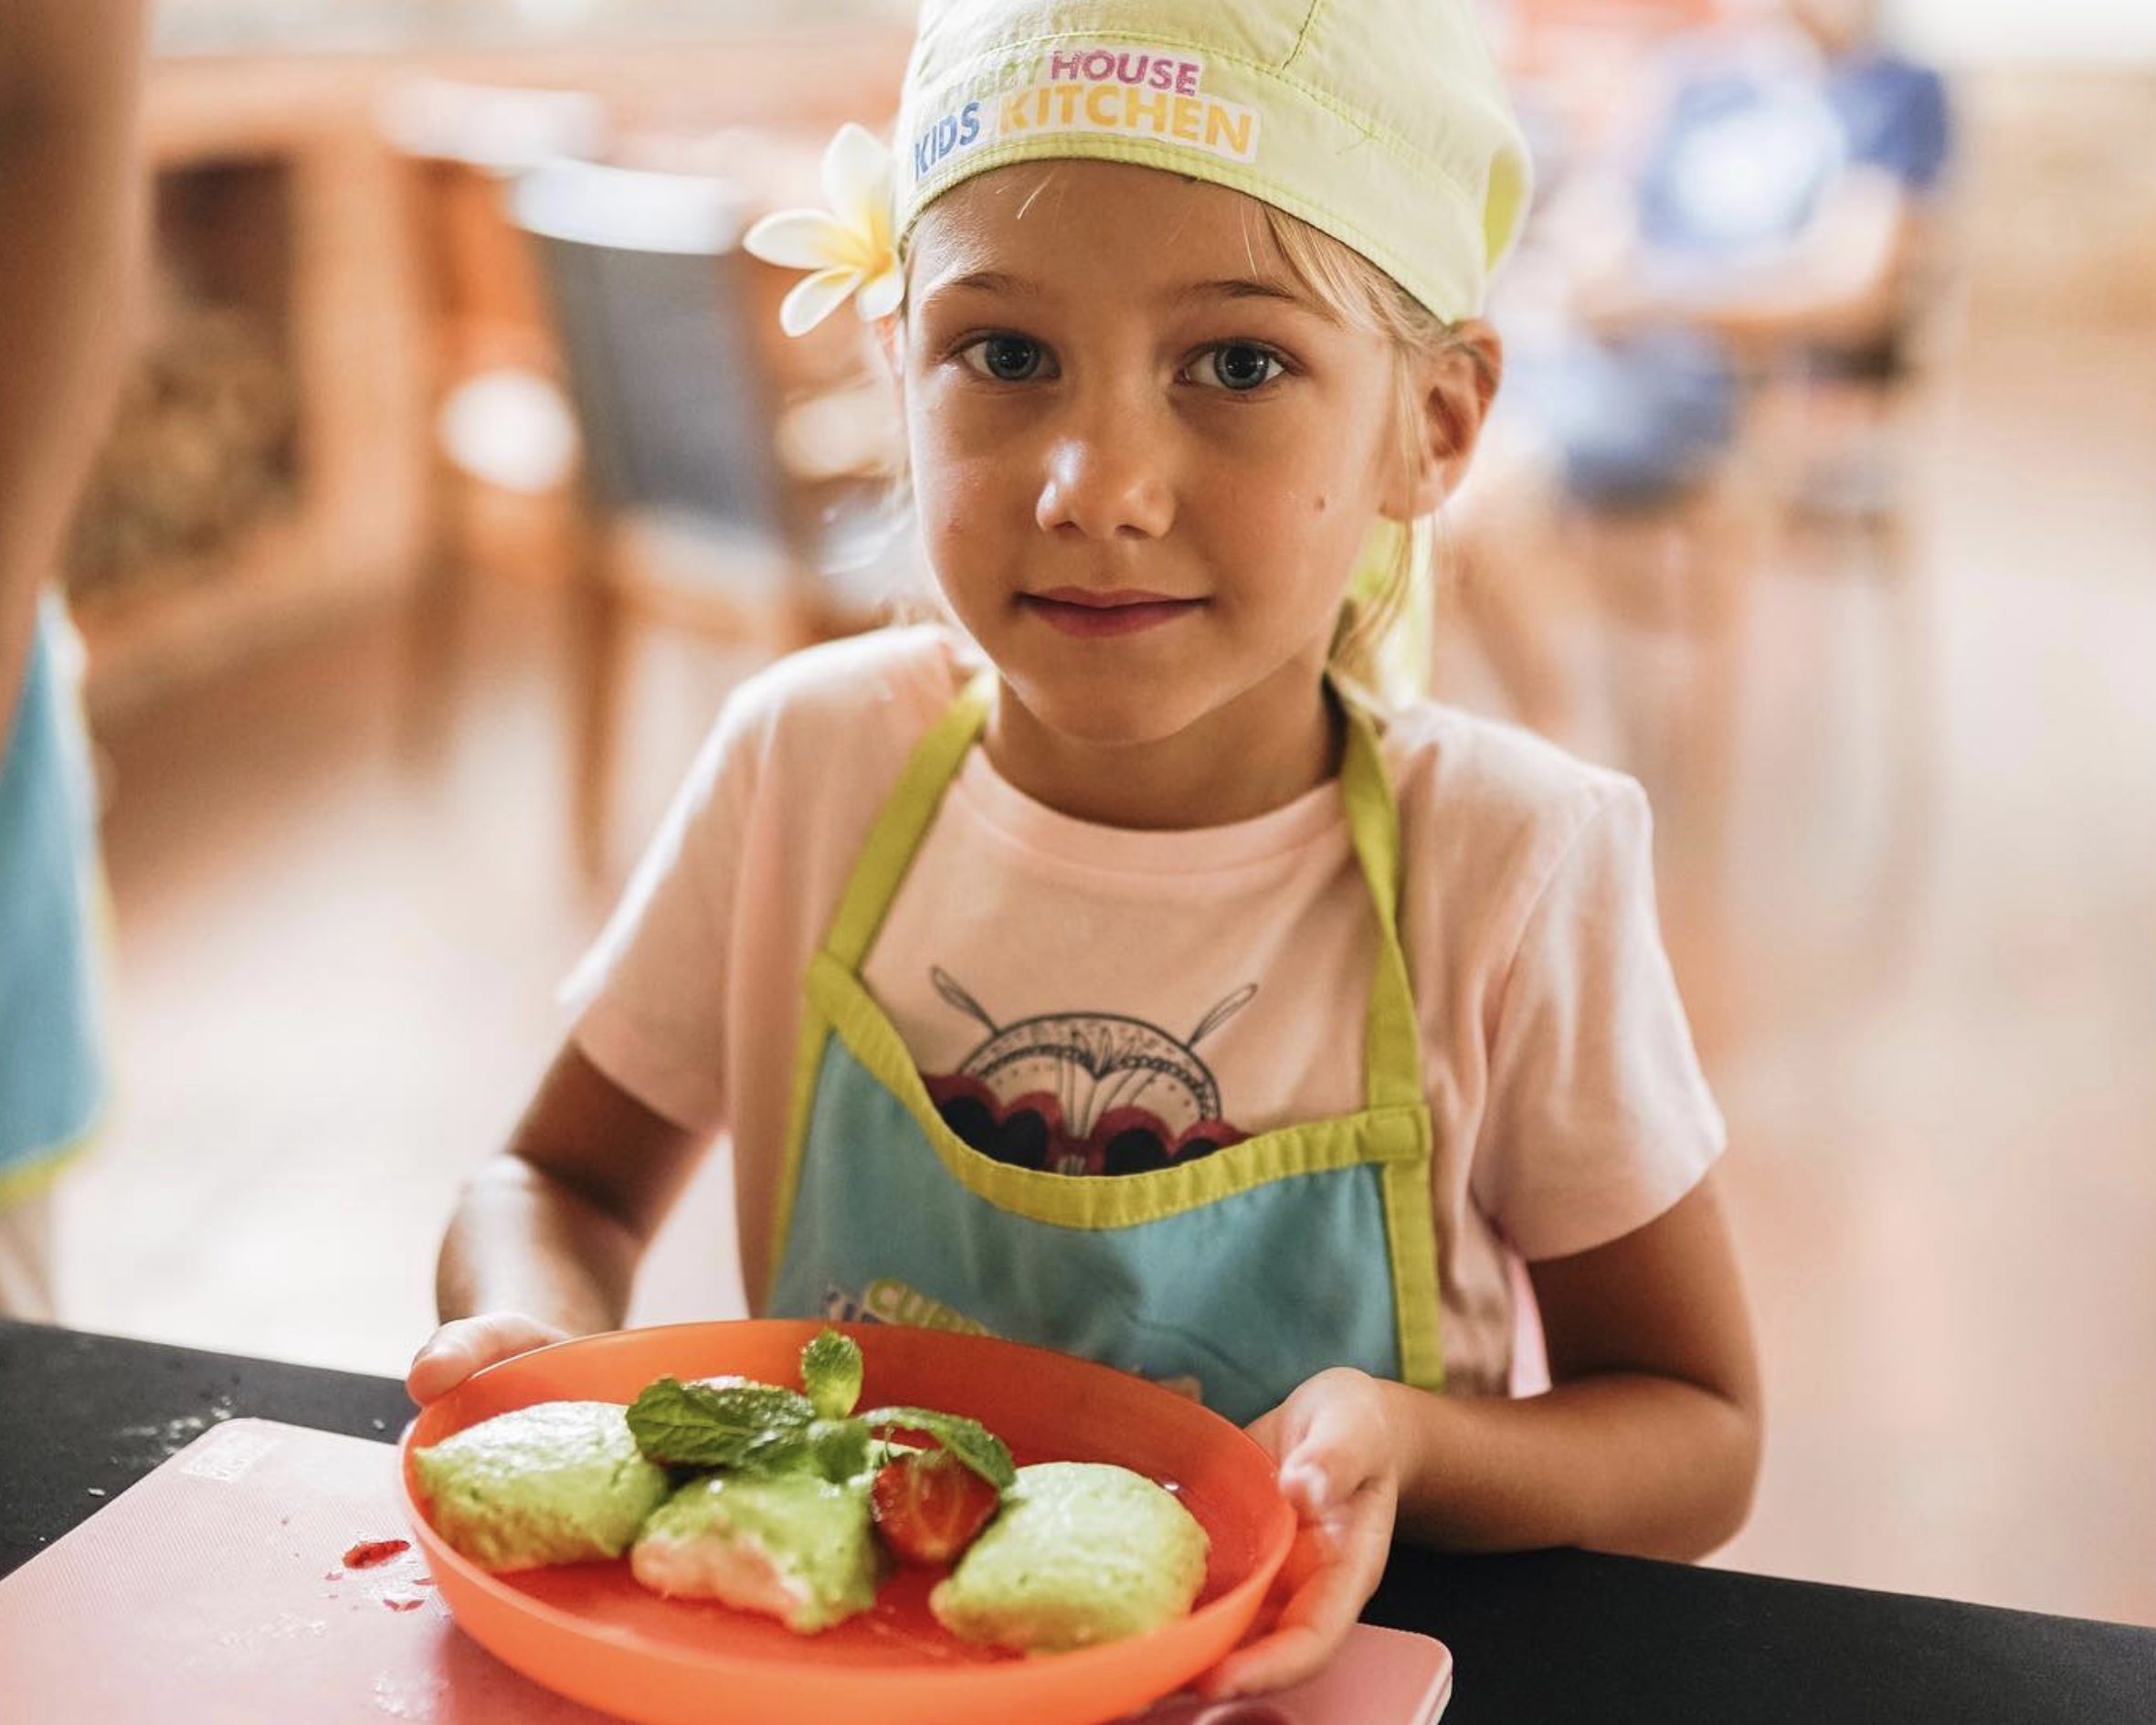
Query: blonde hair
(1380, 647)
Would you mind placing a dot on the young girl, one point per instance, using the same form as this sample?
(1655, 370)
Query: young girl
(1117, 973)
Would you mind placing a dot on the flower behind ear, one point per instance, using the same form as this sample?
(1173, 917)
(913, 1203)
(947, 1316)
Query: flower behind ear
(848, 247)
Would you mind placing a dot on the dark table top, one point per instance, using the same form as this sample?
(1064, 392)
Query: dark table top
(1547, 1637)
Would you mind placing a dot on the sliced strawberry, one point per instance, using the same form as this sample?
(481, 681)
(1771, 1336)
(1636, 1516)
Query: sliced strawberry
(930, 1507)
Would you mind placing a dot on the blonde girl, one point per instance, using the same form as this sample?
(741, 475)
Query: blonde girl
(1114, 971)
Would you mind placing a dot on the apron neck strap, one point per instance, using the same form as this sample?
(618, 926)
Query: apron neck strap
(1393, 1042)
(1391, 1045)
(903, 821)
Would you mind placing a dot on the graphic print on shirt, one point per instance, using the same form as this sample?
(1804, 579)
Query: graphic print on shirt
(1084, 1093)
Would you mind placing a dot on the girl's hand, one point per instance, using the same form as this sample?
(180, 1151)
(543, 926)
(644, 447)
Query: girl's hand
(1340, 1473)
(463, 1345)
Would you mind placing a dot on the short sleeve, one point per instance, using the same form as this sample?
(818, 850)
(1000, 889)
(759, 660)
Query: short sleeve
(1898, 119)
(650, 994)
(1598, 1119)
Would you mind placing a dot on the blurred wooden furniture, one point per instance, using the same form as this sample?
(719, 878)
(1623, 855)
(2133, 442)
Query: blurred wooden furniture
(1849, 438)
(270, 154)
(694, 512)
(276, 228)
(498, 419)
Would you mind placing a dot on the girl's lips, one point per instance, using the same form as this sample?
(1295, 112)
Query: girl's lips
(1082, 612)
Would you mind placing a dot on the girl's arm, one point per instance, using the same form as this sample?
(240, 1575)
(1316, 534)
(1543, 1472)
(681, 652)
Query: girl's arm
(1648, 1441)
(546, 1241)
(71, 185)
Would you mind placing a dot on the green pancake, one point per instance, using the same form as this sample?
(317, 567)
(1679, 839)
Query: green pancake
(792, 1545)
(558, 1482)
(1081, 1553)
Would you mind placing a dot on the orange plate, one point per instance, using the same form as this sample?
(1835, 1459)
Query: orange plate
(592, 1633)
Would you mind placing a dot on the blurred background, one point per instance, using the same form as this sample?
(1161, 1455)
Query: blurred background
(460, 471)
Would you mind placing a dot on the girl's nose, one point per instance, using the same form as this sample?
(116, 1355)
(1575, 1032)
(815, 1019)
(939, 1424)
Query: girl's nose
(1105, 481)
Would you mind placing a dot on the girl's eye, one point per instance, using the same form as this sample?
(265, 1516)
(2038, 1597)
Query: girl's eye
(1010, 359)
(1237, 365)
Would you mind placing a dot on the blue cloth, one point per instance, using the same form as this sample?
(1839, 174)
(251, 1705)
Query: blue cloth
(1236, 1276)
(1240, 1299)
(1631, 422)
(52, 1071)
(1742, 158)
(1894, 113)
(1740, 161)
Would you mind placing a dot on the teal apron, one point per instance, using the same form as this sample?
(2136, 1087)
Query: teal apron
(1237, 1276)
(52, 1073)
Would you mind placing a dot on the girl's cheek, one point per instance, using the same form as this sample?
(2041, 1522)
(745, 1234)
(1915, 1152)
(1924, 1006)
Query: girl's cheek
(955, 516)
(951, 476)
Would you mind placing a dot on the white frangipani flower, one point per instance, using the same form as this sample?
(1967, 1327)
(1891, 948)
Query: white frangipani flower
(848, 247)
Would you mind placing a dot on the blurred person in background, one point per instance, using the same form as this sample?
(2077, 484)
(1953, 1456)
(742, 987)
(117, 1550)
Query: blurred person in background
(70, 79)
(1761, 217)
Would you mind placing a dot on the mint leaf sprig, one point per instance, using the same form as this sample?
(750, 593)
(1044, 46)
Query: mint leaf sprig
(738, 1425)
(830, 1373)
(682, 1424)
(968, 1439)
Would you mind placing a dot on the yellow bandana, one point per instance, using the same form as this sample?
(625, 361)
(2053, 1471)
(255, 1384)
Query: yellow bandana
(1381, 123)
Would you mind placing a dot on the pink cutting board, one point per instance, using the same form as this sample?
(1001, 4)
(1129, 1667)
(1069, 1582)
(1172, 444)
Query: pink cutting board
(214, 1591)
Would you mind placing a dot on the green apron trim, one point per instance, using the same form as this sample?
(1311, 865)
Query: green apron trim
(25, 1180)
(1393, 1131)
(904, 821)
(1393, 1043)
(1412, 1235)
(901, 825)
(1121, 1200)
(1392, 1060)
(808, 1065)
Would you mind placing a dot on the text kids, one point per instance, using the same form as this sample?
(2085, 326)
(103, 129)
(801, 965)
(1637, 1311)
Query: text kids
(1122, 967)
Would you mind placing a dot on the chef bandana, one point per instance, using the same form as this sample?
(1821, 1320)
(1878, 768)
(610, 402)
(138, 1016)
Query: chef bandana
(1381, 123)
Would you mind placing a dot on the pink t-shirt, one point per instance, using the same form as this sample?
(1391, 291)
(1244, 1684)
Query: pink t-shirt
(1234, 962)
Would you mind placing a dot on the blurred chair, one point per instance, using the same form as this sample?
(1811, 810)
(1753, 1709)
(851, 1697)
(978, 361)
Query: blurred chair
(1729, 322)
(500, 419)
(721, 493)
(1843, 436)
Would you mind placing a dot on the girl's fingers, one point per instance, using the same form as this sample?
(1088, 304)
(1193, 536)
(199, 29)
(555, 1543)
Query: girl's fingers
(1341, 1563)
(1332, 1442)
(1335, 1449)
(1287, 1657)
(464, 1345)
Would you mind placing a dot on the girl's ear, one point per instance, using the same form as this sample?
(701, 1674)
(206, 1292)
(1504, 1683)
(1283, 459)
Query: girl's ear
(1454, 386)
